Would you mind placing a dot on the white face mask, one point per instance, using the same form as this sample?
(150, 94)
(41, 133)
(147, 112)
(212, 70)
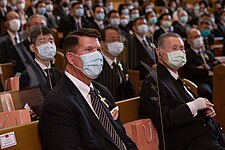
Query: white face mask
(49, 8)
(21, 6)
(197, 43)
(142, 29)
(115, 48)
(92, 64)
(46, 51)
(14, 25)
(166, 23)
(115, 22)
(176, 59)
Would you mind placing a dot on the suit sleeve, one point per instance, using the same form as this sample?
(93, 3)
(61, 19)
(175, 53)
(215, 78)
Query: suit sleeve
(173, 115)
(58, 127)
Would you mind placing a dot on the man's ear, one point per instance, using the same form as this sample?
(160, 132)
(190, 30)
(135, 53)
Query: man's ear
(6, 24)
(32, 48)
(69, 58)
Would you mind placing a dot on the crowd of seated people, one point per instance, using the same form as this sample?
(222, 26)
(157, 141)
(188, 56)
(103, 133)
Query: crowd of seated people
(141, 23)
(29, 27)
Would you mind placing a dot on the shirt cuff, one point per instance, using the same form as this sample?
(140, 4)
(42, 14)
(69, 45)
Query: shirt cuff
(193, 109)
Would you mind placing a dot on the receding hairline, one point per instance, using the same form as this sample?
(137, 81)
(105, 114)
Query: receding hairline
(165, 36)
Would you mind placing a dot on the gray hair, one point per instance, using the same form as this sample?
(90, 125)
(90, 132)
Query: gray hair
(163, 37)
(37, 16)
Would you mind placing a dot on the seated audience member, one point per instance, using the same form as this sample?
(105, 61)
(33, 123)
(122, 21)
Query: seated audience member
(187, 122)
(99, 17)
(141, 48)
(114, 74)
(221, 24)
(200, 63)
(34, 21)
(180, 26)
(52, 22)
(76, 113)
(109, 6)
(62, 9)
(165, 22)
(124, 20)
(152, 20)
(31, 10)
(123, 9)
(114, 18)
(4, 9)
(74, 20)
(134, 14)
(205, 28)
(40, 72)
(9, 40)
(40, 7)
(88, 11)
(21, 5)
(148, 7)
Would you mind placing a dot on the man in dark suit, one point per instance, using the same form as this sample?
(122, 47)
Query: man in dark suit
(75, 20)
(165, 26)
(9, 40)
(3, 10)
(183, 122)
(99, 17)
(76, 113)
(61, 9)
(181, 26)
(40, 71)
(141, 48)
(114, 74)
(200, 63)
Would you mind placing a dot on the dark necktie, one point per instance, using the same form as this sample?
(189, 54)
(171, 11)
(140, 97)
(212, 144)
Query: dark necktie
(50, 78)
(78, 25)
(201, 54)
(118, 72)
(104, 120)
(15, 39)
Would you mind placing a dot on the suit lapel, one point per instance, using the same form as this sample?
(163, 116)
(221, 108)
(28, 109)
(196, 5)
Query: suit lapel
(172, 86)
(79, 99)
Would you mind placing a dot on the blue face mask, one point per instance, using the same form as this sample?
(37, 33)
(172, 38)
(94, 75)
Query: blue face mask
(100, 16)
(79, 12)
(124, 22)
(115, 22)
(142, 29)
(153, 20)
(205, 32)
(41, 11)
(92, 64)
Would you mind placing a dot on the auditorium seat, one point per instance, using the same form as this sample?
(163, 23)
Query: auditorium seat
(219, 94)
(26, 137)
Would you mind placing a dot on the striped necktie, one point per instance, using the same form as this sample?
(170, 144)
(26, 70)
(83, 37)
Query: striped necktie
(104, 120)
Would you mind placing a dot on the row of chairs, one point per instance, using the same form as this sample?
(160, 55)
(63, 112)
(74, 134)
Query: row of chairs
(27, 135)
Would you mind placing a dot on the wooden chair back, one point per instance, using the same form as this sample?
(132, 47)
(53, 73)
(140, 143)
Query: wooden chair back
(26, 137)
(59, 60)
(219, 94)
(191, 85)
(129, 109)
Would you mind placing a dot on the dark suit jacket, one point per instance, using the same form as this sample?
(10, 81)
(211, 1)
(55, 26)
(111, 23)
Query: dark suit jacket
(8, 53)
(94, 25)
(52, 22)
(68, 123)
(29, 12)
(179, 29)
(182, 131)
(195, 74)
(68, 24)
(34, 76)
(111, 79)
(137, 53)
